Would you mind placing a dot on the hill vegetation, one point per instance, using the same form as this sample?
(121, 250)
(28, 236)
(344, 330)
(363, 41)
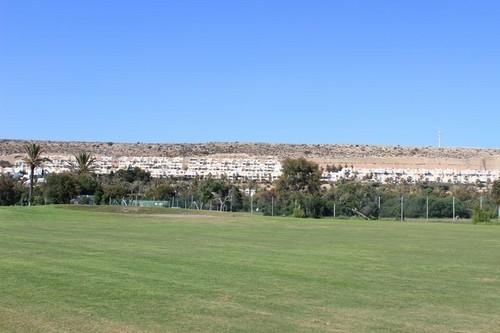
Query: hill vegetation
(282, 151)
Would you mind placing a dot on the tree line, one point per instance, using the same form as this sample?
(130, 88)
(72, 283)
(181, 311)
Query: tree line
(298, 192)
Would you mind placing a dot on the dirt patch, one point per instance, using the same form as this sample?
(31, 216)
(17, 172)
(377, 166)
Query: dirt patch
(28, 321)
(190, 216)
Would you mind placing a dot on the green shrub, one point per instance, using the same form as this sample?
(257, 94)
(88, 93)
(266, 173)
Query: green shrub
(60, 188)
(10, 191)
(299, 212)
(480, 216)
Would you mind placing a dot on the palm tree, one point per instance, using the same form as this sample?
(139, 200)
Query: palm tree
(34, 159)
(84, 163)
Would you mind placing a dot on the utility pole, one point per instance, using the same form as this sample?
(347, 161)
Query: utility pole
(334, 210)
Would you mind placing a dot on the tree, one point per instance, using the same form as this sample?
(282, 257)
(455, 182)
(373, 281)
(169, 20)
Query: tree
(160, 190)
(236, 201)
(34, 159)
(10, 193)
(84, 163)
(112, 191)
(495, 193)
(61, 188)
(267, 203)
(88, 183)
(354, 197)
(300, 179)
(215, 189)
(133, 174)
(299, 175)
(222, 193)
(314, 205)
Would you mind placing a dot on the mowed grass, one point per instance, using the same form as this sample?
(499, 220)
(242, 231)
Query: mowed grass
(84, 270)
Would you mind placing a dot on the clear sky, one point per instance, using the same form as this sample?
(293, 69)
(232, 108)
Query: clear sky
(379, 72)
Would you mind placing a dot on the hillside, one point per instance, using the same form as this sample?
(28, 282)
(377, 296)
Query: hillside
(358, 155)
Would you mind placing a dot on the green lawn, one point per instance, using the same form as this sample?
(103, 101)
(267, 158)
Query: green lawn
(83, 270)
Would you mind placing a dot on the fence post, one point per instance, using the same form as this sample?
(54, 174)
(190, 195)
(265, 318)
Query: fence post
(453, 208)
(272, 205)
(402, 208)
(379, 207)
(251, 203)
(427, 208)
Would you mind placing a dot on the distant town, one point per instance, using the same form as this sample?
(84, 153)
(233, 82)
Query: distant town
(229, 160)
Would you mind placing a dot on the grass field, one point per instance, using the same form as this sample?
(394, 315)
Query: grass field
(82, 270)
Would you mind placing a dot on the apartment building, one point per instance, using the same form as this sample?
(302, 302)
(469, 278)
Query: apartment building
(260, 169)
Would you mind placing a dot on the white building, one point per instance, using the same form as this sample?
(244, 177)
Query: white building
(265, 169)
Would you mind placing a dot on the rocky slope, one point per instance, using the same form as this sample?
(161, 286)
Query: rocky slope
(358, 155)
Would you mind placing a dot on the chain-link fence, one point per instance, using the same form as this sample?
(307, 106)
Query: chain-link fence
(408, 206)
(385, 206)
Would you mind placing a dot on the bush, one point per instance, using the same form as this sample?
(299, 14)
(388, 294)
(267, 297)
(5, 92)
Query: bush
(480, 216)
(314, 206)
(10, 191)
(61, 188)
(299, 212)
(87, 184)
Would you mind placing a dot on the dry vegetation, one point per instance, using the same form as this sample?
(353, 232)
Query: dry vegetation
(359, 155)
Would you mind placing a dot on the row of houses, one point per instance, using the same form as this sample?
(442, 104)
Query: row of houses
(259, 169)
(389, 175)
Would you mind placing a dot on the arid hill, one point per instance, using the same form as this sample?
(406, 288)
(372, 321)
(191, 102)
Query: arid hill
(357, 155)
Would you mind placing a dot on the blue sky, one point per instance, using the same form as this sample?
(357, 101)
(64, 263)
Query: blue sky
(379, 72)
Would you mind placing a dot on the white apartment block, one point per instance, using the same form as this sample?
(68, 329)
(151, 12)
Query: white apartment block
(414, 175)
(258, 169)
(266, 169)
